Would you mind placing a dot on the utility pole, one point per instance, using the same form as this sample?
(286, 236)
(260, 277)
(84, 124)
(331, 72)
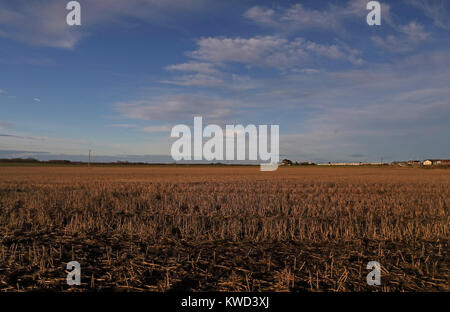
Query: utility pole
(89, 161)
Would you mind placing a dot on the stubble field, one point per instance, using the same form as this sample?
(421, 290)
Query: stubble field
(200, 228)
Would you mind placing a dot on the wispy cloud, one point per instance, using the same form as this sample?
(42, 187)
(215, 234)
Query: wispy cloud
(156, 129)
(214, 56)
(409, 37)
(266, 51)
(123, 125)
(22, 141)
(196, 80)
(43, 23)
(298, 16)
(415, 32)
(38, 23)
(180, 108)
(437, 10)
(36, 99)
(16, 136)
(198, 67)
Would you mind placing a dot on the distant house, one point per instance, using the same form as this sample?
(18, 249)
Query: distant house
(414, 162)
(436, 162)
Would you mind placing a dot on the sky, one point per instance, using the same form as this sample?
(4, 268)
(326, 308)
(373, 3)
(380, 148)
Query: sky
(339, 89)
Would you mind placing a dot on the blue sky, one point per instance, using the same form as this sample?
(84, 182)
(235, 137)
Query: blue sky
(339, 89)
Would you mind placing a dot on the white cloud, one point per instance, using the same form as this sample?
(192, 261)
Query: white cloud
(437, 10)
(123, 125)
(282, 54)
(266, 51)
(298, 17)
(38, 24)
(415, 32)
(197, 80)
(261, 15)
(202, 75)
(36, 99)
(252, 51)
(310, 71)
(205, 68)
(180, 108)
(43, 23)
(411, 35)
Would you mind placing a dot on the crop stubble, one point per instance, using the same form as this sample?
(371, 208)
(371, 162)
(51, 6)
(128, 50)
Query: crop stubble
(200, 228)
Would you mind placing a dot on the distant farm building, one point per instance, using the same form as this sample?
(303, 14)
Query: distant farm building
(436, 162)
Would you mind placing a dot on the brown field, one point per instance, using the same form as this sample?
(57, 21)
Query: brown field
(224, 228)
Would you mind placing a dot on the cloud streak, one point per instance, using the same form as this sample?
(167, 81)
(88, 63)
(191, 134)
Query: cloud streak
(411, 35)
(267, 51)
(437, 10)
(180, 108)
(298, 17)
(43, 23)
(214, 55)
